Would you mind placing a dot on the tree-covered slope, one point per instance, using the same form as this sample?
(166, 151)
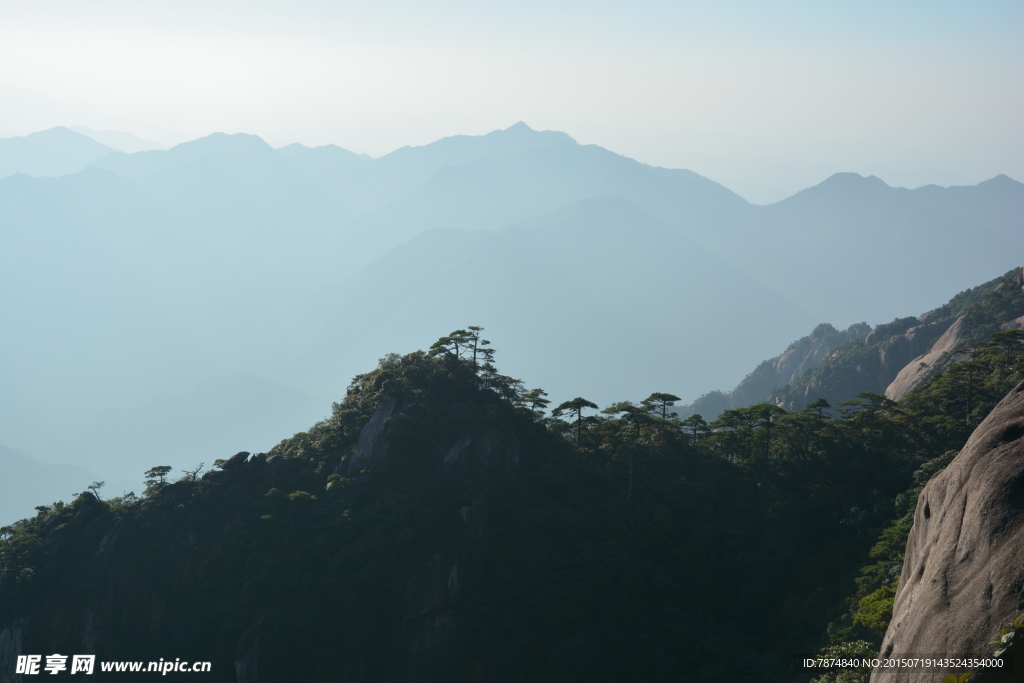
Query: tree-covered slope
(438, 527)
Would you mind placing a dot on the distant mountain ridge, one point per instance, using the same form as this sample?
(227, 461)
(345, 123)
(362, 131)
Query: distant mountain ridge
(901, 355)
(614, 266)
(53, 152)
(892, 359)
(234, 253)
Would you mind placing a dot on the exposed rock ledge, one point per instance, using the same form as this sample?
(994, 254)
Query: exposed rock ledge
(921, 368)
(963, 574)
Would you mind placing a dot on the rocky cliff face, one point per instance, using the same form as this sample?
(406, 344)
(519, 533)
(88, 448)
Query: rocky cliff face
(373, 443)
(919, 369)
(429, 637)
(428, 634)
(801, 356)
(940, 354)
(10, 648)
(867, 364)
(963, 574)
(485, 455)
(891, 359)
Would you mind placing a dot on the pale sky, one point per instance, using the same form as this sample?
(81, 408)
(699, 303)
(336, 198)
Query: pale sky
(766, 98)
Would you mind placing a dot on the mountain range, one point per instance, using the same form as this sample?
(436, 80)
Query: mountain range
(129, 283)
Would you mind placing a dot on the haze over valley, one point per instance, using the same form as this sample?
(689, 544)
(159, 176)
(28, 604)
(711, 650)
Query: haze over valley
(222, 293)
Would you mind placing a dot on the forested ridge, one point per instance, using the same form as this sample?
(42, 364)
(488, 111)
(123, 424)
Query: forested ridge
(873, 361)
(442, 524)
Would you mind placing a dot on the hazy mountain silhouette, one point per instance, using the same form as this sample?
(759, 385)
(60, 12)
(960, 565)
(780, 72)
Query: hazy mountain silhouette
(562, 296)
(148, 274)
(812, 247)
(488, 181)
(489, 193)
(113, 301)
(252, 208)
(843, 247)
(95, 297)
(130, 289)
(341, 174)
(53, 152)
(365, 184)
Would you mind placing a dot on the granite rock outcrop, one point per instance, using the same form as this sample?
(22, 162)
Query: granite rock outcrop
(963, 574)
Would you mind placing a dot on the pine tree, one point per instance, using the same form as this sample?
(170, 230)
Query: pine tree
(660, 403)
(575, 406)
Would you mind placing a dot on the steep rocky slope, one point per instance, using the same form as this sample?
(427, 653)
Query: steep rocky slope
(963, 578)
(798, 359)
(892, 359)
(897, 357)
(866, 364)
(942, 352)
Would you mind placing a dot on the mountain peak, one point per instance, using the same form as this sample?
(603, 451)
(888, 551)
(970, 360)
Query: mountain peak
(851, 179)
(845, 184)
(217, 145)
(224, 141)
(58, 135)
(294, 148)
(52, 152)
(461, 149)
(519, 126)
(523, 134)
(1001, 181)
(240, 149)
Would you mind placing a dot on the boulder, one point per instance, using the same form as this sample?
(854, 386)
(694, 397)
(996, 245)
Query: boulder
(963, 573)
(236, 460)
